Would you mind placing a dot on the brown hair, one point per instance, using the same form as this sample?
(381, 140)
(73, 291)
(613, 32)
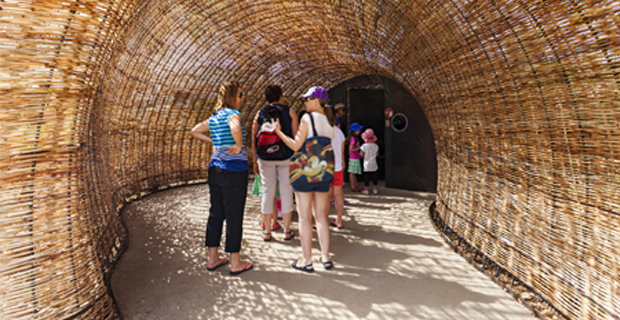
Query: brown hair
(273, 93)
(328, 112)
(226, 97)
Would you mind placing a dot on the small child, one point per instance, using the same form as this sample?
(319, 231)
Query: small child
(354, 166)
(370, 152)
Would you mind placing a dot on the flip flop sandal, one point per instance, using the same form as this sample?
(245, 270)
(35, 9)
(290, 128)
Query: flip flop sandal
(307, 268)
(333, 223)
(222, 262)
(248, 266)
(328, 265)
(266, 236)
(275, 226)
(289, 235)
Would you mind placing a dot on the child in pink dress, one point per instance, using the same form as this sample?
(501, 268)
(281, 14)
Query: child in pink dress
(355, 166)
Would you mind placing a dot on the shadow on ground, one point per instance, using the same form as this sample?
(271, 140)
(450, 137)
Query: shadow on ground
(390, 264)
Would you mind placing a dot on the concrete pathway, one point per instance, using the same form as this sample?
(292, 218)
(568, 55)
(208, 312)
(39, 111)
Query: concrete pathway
(390, 264)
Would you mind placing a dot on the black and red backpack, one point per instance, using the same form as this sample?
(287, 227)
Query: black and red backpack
(268, 145)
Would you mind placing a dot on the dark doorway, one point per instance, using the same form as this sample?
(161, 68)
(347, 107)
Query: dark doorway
(366, 108)
(407, 152)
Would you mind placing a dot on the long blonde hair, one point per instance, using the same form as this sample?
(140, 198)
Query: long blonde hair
(226, 97)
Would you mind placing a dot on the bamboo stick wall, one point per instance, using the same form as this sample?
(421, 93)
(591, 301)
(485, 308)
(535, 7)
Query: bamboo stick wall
(97, 98)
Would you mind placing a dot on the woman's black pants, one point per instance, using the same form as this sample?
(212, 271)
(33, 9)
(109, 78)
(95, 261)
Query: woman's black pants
(228, 191)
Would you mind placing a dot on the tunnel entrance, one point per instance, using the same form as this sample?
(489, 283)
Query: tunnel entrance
(366, 107)
(407, 156)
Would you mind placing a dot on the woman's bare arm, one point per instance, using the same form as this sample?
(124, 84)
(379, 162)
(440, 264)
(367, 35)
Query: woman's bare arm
(295, 121)
(235, 128)
(300, 137)
(199, 131)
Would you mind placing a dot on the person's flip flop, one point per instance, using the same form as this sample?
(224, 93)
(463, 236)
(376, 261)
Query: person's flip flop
(248, 266)
(307, 268)
(289, 235)
(328, 265)
(266, 236)
(333, 223)
(223, 262)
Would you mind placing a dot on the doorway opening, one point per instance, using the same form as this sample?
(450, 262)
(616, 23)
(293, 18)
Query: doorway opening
(407, 158)
(366, 107)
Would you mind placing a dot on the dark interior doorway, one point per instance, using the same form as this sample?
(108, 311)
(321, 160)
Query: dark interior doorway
(366, 108)
(408, 159)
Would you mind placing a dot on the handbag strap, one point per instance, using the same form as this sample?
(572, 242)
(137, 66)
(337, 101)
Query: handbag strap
(312, 121)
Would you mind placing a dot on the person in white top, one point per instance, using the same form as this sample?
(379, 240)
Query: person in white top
(338, 183)
(324, 122)
(370, 152)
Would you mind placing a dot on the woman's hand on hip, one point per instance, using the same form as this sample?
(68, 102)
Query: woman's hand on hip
(234, 149)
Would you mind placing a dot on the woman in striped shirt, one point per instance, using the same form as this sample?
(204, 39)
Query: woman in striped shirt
(228, 177)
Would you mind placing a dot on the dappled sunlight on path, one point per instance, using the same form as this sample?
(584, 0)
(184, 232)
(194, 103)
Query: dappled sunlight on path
(390, 264)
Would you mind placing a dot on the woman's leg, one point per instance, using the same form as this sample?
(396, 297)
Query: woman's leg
(235, 192)
(268, 181)
(286, 194)
(304, 208)
(339, 200)
(216, 218)
(321, 206)
(216, 211)
(214, 257)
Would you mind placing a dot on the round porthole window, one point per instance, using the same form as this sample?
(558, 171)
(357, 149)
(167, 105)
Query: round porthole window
(399, 122)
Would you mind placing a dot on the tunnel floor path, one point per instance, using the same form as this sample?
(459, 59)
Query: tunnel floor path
(390, 264)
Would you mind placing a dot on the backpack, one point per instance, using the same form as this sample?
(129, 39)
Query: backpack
(313, 164)
(268, 145)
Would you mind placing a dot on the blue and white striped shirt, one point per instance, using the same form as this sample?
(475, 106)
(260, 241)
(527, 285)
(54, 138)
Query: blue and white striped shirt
(222, 139)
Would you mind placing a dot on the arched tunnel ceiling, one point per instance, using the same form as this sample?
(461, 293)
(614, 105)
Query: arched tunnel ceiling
(98, 98)
(192, 46)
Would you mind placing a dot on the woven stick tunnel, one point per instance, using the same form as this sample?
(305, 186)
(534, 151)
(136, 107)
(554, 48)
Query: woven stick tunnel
(97, 99)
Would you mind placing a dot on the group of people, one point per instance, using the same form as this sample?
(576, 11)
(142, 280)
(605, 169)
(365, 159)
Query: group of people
(228, 173)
